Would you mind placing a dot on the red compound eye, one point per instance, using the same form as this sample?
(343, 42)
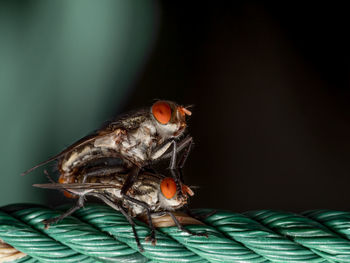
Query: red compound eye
(161, 111)
(168, 187)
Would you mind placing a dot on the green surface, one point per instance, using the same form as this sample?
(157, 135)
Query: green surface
(98, 233)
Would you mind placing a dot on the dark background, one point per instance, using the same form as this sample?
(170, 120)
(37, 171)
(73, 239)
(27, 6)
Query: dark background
(269, 84)
(270, 88)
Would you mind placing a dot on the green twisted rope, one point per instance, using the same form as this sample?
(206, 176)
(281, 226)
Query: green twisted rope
(98, 233)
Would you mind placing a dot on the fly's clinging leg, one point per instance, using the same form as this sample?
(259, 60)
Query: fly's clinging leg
(125, 214)
(152, 236)
(181, 227)
(188, 141)
(79, 204)
(175, 168)
(175, 171)
(173, 157)
(178, 224)
(134, 172)
(126, 186)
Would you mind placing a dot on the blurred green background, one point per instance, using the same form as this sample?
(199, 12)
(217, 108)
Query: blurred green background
(65, 67)
(270, 85)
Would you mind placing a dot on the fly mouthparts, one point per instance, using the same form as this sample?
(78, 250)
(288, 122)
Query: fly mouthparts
(187, 190)
(184, 111)
(187, 112)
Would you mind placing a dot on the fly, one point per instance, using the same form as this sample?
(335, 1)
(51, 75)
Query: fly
(137, 139)
(150, 194)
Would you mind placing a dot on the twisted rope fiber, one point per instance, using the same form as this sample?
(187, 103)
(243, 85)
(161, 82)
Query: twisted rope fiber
(98, 233)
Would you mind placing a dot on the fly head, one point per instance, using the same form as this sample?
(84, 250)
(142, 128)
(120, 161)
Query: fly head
(168, 197)
(169, 118)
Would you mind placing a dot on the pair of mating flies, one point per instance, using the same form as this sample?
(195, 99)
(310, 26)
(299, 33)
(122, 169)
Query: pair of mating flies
(114, 164)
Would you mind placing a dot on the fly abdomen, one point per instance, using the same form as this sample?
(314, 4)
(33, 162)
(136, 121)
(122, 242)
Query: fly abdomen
(84, 156)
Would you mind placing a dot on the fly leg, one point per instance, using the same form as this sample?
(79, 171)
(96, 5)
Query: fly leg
(187, 144)
(183, 144)
(175, 168)
(133, 173)
(132, 223)
(126, 186)
(128, 217)
(152, 236)
(79, 204)
(130, 180)
(175, 171)
(178, 224)
(181, 227)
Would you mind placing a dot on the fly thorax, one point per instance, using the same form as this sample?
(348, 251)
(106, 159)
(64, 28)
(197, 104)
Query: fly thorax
(145, 134)
(150, 199)
(139, 142)
(110, 141)
(146, 191)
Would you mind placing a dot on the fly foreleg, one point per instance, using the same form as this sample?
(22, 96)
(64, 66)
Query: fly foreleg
(172, 165)
(186, 144)
(175, 167)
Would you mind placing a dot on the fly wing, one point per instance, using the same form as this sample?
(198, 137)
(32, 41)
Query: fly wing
(78, 189)
(126, 122)
(82, 186)
(85, 140)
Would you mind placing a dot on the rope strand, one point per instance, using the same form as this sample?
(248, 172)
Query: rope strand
(98, 233)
